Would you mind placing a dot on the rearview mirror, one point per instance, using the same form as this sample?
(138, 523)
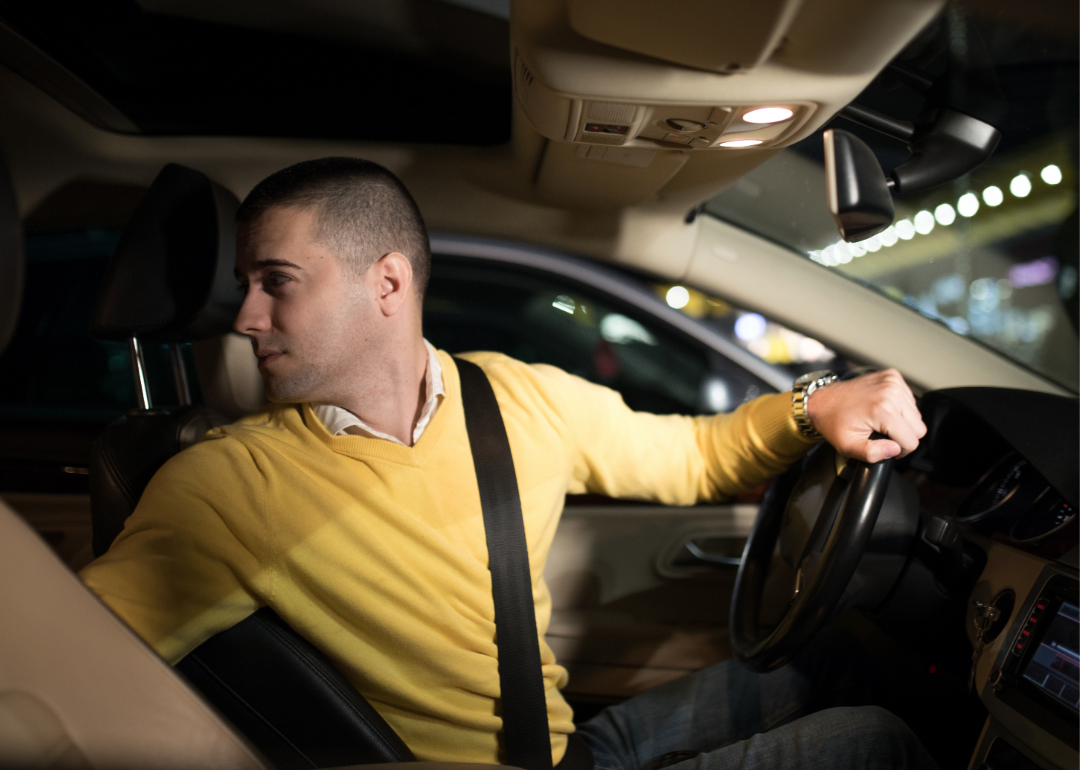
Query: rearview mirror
(859, 198)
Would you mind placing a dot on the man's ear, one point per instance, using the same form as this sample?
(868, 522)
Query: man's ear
(392, 279)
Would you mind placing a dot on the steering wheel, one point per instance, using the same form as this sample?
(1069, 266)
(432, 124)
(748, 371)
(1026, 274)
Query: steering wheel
(817, 517)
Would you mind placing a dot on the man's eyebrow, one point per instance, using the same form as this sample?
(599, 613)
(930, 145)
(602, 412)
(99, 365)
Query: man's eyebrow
(264, 263)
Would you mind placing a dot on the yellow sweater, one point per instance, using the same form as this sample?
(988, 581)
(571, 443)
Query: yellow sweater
(375, 552)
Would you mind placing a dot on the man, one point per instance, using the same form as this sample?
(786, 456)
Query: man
(350, 505)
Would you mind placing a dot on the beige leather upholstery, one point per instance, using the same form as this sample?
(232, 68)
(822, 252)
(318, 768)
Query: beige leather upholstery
(31, 735)
(79, 689)
(229, 375)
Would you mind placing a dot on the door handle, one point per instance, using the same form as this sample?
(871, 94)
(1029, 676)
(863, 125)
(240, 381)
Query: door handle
(712, 557)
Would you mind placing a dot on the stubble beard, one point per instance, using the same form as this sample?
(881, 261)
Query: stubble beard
(319, 365)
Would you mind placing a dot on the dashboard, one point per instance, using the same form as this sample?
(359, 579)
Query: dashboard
(997, 478)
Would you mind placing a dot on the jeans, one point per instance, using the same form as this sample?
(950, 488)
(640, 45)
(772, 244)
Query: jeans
(812, 713)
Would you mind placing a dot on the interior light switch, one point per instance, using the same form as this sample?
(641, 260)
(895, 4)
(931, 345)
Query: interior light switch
(687, 126)
(719, 114)
(677, 138)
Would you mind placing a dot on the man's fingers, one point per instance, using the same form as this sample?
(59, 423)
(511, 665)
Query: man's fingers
(876, 451)
(913, 418)
(902, 433)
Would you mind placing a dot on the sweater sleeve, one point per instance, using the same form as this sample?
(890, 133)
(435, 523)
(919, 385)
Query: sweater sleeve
(187, 565)
(673, 459)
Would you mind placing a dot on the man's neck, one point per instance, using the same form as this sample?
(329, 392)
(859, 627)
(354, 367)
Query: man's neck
(395, 393)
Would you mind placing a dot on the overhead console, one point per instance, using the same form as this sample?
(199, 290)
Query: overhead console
(664, 83)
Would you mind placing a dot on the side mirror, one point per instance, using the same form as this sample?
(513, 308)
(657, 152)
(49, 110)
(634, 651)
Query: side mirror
(859, 197)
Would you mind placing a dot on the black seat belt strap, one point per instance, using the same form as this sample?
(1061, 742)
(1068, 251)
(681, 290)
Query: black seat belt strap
(524, 705)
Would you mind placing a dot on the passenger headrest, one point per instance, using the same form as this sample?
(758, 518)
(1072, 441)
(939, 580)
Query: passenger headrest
(171, 277)
(11, 257)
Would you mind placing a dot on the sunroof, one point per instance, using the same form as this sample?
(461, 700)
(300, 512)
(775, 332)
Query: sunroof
(184, 76)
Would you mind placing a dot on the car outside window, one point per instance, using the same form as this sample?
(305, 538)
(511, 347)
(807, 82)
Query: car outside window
(991, 255)
(773, 343)
(54, 370)
(545, 319)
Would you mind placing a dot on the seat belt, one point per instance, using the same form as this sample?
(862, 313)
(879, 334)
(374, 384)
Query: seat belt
(526, 735)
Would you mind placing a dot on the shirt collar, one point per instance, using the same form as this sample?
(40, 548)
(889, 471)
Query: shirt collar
(340, 421)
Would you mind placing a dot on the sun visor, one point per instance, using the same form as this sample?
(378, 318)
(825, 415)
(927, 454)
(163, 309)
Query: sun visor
(706, 34)
(171, 277)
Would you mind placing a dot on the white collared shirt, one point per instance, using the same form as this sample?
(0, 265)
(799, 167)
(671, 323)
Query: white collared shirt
(341, 421)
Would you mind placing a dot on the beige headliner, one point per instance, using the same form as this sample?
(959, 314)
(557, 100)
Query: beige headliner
(491, 192)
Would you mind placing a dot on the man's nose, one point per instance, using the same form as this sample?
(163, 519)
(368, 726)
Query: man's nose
(254, 315)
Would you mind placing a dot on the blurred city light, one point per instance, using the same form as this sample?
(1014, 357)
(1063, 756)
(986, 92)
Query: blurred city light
(968, 205)
(993, 196)
(677, 297)
(1037, 272)
(924, 222)
(1051, 174)
(905, 230)
(749, 327)
(945, 214)
(1020, 186)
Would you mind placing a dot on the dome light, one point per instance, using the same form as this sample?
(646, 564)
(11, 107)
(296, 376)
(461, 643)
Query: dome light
(945, 214)
(1051, 174)
(768, 115)
(1020, 186)
(968, 205)
(993, 196)
(924, 222)
(741, 143)
(677, 297)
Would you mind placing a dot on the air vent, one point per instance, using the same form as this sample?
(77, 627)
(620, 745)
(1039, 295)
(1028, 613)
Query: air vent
(605, 112)
(602, 138)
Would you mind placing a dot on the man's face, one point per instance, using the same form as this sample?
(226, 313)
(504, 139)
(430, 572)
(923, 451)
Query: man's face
(305, 316)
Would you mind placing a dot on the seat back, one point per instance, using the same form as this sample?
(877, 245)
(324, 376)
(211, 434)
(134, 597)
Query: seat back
(79, 689)
(126, 456)
(170, 281)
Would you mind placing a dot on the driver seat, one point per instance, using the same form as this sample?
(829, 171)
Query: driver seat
(170, 281)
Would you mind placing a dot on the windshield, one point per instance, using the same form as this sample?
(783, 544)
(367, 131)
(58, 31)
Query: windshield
(993, 255)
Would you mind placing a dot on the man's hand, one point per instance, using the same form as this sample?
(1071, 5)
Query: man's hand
(846, 413)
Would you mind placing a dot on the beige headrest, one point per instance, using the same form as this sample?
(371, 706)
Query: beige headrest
(229, 375)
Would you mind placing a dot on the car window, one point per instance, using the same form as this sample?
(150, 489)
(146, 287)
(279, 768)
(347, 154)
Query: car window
(773, 343)
(991, 255)
(545, 319)
(54, 369)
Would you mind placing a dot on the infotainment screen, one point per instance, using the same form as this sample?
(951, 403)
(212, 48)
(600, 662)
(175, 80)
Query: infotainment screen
(1055, 665)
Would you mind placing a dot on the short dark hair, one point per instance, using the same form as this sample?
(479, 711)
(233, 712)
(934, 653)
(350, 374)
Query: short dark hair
(362, 211)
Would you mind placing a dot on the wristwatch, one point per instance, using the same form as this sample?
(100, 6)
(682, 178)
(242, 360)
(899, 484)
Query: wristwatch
(801, 391)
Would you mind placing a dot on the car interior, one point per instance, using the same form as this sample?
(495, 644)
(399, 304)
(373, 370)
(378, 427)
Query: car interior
(692, 206)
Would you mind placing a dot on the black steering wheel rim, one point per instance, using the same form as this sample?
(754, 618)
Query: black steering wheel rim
(814, 602)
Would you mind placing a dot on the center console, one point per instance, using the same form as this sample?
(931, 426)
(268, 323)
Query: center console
(1033, 689)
